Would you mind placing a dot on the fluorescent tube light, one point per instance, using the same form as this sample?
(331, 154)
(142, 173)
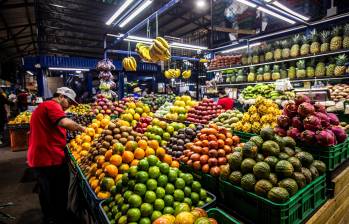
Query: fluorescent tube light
(283, 7)
(201, 3)
(135, 13)
(241, 48)
(119, 11)
(29, 73)
(275, 14)
(247, 3)
(187, 46)
(68, 69)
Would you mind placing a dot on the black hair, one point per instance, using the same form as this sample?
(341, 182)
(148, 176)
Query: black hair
(222, 92)
(55, 95)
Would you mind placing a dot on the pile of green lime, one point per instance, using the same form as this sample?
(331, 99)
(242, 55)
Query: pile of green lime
(151, 189)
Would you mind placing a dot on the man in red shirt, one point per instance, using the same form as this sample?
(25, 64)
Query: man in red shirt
(226, 102)
(47, 140)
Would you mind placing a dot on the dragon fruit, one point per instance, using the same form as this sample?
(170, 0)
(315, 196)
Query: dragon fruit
(325, 138)
(290, 110)
(333, 118)
(301, 99)
(294, 133)
(308, 137)
(312, 123)
(320, 108)
(297, 123)
(325, 121)
(280, 131)
(339, 133)
(306, 109)
(283, 121)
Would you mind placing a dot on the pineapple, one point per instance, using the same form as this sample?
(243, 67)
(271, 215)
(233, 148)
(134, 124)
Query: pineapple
(295, 46)
(249, 58)
(300, 73)
(285, 49)
(336, 40)
(277, 51)
(325, 40)
(340, 65)
(244, 59)
(320, 69)
(283, 71)
(346, 36)
(266, 74)
(261, 55)
(305, 48)
(260, 72)
(255, 56)
(251, 77)
(268, 53)
(276, 73)
(310, 68)
(330, 67)
(291, 71)
(315, 45)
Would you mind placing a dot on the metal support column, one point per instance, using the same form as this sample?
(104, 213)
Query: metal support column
(121, 85)
(40, 81)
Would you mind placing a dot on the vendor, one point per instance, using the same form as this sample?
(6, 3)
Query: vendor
(226, 102)
(137, 92)
(47, 140)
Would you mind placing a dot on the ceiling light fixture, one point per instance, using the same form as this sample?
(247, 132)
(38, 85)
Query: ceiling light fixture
(187, 46)
(68, 69)
(283, 7)
(260, 8)
(241, 48)
(135, 13)
(247, 3)
(119, 11)
(200, 3)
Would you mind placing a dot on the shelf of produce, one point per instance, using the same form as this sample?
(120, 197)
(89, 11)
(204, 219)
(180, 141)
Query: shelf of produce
(292, 81)
(343, 51)
(261, 210)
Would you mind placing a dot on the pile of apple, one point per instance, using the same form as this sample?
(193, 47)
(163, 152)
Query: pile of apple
(105, 106)
(209, 150)
(179, 110)
(205, 111)
(142, 124)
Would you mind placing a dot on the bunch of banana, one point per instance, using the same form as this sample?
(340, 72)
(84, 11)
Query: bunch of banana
(143, 51)
(129, 64)
(186, 74)
(172, 73)
(159, 50)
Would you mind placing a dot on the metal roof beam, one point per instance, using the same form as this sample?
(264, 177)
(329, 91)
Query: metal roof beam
(15, 6)
(16, 27)
(9, 31)
(30, 21)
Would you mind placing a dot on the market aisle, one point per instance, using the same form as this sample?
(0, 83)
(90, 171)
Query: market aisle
(17, 188)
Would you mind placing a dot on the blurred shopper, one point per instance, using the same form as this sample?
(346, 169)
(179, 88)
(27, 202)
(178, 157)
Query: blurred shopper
(137, 92)
(47, 140)
(3, 113)
(22, 100)
(226, 102)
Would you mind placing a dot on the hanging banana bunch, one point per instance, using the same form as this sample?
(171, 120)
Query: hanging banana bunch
(160, 50)
(186, 74)
(129, 64)
(143, 52)
(172, 73)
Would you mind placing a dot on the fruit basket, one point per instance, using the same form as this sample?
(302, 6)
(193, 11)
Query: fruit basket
(261, 210)
(221, 216)
(103, 217)
(332, 156)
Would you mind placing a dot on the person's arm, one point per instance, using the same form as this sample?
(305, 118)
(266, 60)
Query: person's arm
(70, 125)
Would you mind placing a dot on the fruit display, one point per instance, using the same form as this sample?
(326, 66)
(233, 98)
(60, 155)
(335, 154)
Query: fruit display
(107, 84)
(186, 74)
(260, 115)
(339, 92)
(345, 126)
(310, 123)
(142, 124)
(176, 144)
(105, 106)
(227, 119)
(267, 91)
(224, 61)
(129, 64)
(163, 110)
(180, 108)
(209, 149)
(80, 109)
(84, 120)
(194, 216)
(272, 166)
(134, 111)
(155, 101)
(161, 131)
(151, 189)
(158, 51)
(205, 111)
(22, 118)
(172, 73)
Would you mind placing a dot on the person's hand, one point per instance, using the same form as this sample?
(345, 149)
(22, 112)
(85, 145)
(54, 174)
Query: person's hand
(82, 128)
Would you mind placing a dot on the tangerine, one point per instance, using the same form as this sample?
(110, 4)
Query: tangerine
(99, 117)
(103, 195)
(100, 161)
(108, 154)
(160, 152)
(86, 138)
(131, 145)
(153, 144)
(167, 159)
(142, 144)
(134, 162)
(127, 156)
(175, 164)
(111, 170)
(124, 168)
(139, 153)
(149, 151)
(94, 184)
(115, 160)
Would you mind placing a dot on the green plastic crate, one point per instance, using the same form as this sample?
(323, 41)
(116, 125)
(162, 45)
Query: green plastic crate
(332, 156)
(243, 135)
(221, 217)
(261, 210)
